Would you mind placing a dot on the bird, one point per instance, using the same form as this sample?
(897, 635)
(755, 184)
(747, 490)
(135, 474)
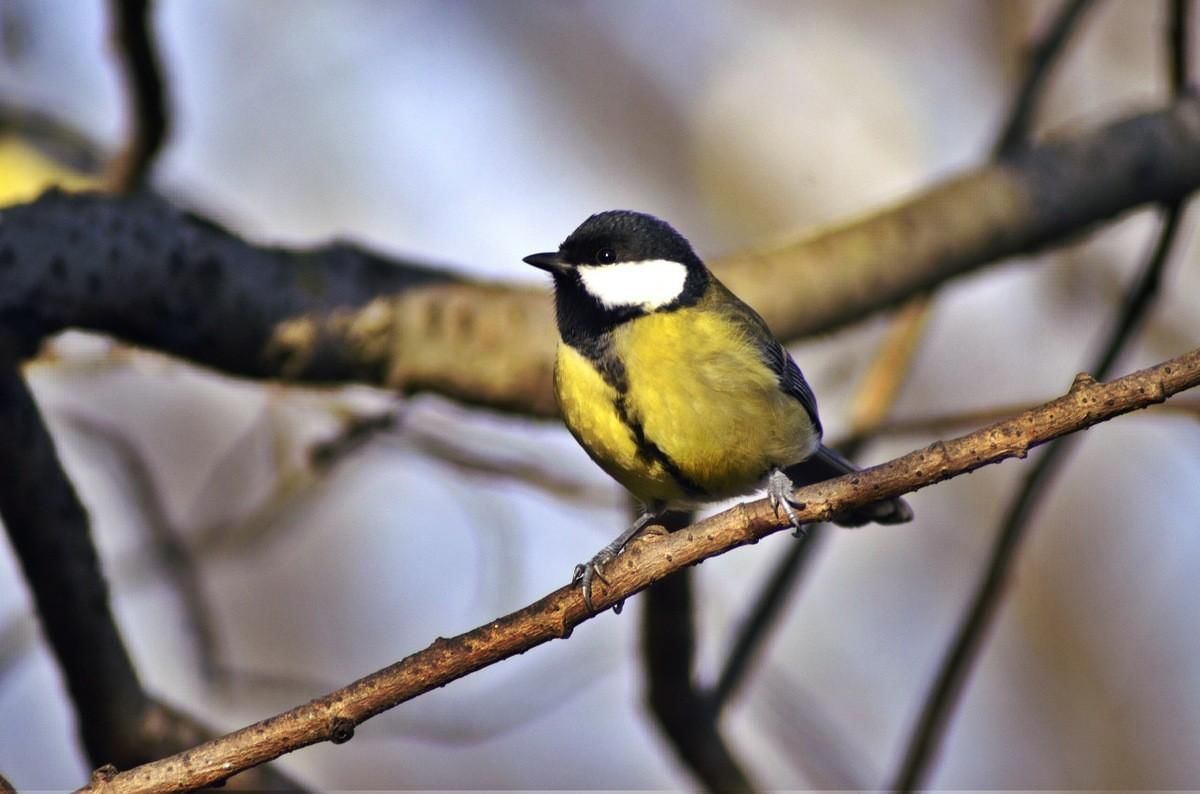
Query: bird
(676, 387)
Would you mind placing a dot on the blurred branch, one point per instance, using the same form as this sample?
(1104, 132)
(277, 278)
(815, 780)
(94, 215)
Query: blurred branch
(880, 385)
(984, 604)
(682, 710)
(166, 543)
(6, 787)
(753, 630)
(147, 122)
(1037, 65)
(335, 716)
(48, 527)
(137, 268)
(1179, 28)
(59, 141)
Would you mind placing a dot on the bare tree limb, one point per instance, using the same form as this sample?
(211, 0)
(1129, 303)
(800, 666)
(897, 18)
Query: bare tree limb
(335, 716)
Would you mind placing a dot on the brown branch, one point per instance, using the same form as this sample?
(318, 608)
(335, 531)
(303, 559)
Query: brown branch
(146, 94)
(1047, 193)
(935, 424)
(334, 716)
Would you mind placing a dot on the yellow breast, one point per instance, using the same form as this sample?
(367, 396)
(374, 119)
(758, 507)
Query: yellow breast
(701, 416)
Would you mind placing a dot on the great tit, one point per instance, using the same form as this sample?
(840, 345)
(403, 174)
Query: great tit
(674, 386)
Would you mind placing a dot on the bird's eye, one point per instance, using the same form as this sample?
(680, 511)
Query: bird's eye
(606, 256)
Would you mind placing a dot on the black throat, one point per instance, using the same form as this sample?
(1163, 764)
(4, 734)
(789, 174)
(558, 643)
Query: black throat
(585, 323)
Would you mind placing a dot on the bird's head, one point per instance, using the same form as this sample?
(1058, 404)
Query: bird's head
(625, 263)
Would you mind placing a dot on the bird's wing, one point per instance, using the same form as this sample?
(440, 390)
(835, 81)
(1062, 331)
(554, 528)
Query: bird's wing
(791, 379)
(776, 356)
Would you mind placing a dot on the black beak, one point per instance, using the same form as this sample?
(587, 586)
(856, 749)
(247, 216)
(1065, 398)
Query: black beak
(549, 261)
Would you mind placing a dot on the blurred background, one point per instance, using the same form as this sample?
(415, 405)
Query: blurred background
(471, 134)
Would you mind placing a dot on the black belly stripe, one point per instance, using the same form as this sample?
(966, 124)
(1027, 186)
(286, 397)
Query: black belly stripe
(598, 350)
(652, 453)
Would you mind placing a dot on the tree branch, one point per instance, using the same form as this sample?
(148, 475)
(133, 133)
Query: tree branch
(334, 716)
(139, 269)
(1041, 59)
(147, 119)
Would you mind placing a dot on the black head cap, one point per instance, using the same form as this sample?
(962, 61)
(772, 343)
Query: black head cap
(624, 236)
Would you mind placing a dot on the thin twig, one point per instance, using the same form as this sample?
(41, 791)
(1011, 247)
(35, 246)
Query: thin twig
(1037, 65)
(167, 545)
(145, 93)
(1178, 53)
(335, 716)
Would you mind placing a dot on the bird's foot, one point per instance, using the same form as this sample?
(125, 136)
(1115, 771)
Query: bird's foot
(587, 572)
(779, 495)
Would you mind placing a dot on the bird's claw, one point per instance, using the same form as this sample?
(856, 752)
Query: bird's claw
(779, 490)
(586, 573)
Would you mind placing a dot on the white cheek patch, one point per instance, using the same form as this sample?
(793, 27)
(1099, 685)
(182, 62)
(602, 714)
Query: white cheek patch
(649, 284)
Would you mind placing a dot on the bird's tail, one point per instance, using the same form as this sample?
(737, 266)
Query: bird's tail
(825, 464)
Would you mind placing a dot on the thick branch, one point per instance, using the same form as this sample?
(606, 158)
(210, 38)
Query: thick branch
(141, 270)
(684, 713)
(334, 716)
